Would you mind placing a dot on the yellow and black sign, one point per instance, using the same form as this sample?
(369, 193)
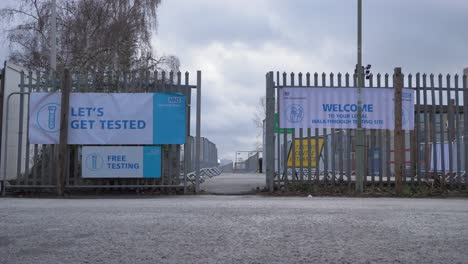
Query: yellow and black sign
(305, 152)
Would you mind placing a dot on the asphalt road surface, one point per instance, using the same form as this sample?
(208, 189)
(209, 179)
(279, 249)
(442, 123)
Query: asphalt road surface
(233, 229)
(234, 183)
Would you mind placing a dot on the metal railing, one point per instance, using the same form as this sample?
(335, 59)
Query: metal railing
(32, 166)
(440, 106)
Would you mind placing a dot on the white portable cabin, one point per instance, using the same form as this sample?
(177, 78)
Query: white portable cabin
(12, 79)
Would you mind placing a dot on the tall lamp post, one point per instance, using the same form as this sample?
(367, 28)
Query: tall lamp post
(53, 36)
(359, 133)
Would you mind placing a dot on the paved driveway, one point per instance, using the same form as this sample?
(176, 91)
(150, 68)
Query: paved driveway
(232, 183)
(233, 229)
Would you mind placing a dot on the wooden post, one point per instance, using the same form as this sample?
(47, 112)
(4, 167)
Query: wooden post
(62, 155)
(398, 86)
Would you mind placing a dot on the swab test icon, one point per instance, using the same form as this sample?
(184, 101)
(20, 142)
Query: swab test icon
(94, 161)
(51, 121)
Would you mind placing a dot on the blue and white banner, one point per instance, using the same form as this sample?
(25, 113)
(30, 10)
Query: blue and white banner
(121, 162)
(337, 108)
(109, 118)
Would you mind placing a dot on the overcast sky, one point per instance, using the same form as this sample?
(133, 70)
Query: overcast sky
(235, 42)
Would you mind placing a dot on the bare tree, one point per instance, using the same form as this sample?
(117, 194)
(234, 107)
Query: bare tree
(91, 34)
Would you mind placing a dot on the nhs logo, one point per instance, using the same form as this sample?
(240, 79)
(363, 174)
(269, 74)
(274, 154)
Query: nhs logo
(175, 100)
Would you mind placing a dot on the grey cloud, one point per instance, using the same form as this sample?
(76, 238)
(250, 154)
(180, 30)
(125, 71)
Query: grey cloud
(235, 43)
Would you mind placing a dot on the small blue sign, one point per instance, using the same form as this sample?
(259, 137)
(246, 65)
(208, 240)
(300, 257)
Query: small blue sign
(121, 162)
(169, 118)
(152, 162)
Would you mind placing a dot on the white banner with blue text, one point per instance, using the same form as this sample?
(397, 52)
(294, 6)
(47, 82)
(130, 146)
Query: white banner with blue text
(321, 107)
(121, 162)
(109, 118)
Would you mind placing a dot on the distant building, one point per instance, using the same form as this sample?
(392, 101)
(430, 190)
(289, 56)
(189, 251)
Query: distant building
(208, 154)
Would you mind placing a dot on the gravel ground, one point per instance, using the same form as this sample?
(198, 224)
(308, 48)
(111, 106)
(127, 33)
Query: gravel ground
(233, 229)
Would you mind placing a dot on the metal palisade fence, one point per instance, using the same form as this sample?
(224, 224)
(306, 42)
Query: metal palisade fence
(435, 152)
(33, 166)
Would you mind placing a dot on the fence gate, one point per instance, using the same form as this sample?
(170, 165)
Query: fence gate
(26, 166)
(434, 151)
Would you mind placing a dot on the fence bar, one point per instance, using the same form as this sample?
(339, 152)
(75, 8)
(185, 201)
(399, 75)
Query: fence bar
(399, 132)
(403, 141)
(36, 171)
(371, 153)
(457, 129)
(427, 132)
(197, 133)
(333, 143)
(403, 149)
(325, 143)
(293, 143)
(278, 132)
(285, 147)
(450, 132)
(348, 141)
(365, 148)
(74, 149)
(388, 134)
(20, 131)
(28, 145)
(63, 153)
(434, 131)
(441, 125)
(317, 150)
(94, 87)
(380, 140)
(45, 148)
(341, 142)
(52, 148)
(301, 145)
(411, 138)
(355, 83)
(188, 145)
(171, 146)
(465, 117)
(178, 89)
(309, 142)
(165, 149)
(151, 89)
(417, 129)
